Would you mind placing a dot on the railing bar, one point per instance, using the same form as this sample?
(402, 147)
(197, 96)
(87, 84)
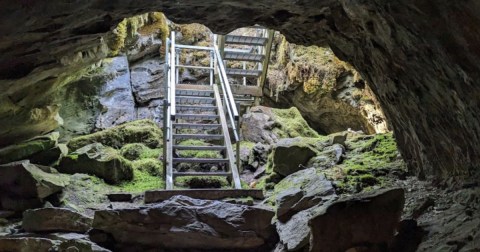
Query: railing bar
(172, 78)
(226, 84)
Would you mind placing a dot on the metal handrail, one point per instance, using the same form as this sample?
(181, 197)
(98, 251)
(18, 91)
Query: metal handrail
(227, 93)
(173, 64)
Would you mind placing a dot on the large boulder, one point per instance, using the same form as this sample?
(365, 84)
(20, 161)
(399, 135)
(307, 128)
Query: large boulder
(185, 223)
(300, 191)
(364, 221)
(24, 185)
(26, 244)
(290, 154)
(47, 243)
(141, 131)
(29, 148)
(55, 220)
(101, 161)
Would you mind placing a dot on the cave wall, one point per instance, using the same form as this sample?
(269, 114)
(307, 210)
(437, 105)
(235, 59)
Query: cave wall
(421, 58)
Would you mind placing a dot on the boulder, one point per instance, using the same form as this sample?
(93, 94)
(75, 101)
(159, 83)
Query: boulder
(329, 157)
(185, 223)
(26, 244)
(29, 148)
(101, 161)
(363, 220)
(257, 126)
(141, 131)
(289, 154)
(300, 191)
(51, 156)
(24, 185)
(295, 233)
(55, 220)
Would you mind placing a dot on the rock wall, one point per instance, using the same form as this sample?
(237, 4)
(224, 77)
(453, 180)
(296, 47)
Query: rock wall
(420, 57)
(329, 93)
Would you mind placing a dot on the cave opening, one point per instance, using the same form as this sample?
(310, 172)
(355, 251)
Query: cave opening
(317, 144)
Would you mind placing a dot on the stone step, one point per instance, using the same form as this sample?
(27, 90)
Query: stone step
(210, 194)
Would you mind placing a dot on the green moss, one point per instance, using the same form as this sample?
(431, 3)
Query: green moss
(202, 182)
(142, 131)
(369, 158)
(142, 181)
(151, 166)
(292, 124)
(137, 151)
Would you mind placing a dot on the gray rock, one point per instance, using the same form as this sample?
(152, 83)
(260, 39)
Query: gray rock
(185, 223)
(144, 46)
(55, 220)
(24, 185)
(101, 161)
(116, 99)
(257, 126)
(290, 154)
(338, 138)
(329, 157)
(300, 191)
(51, 156)
(147, 77)
(363, 219)
(29, 148)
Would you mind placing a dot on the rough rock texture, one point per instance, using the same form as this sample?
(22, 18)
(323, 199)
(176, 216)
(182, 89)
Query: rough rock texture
(364, 221)
(300, 191)
(328, 92)
(26, 244)
(54, 242)
(290, 155)
(24, 185)
(419, 57)
(55, 220)
(28, 148)
(96, 159)
(183, 222)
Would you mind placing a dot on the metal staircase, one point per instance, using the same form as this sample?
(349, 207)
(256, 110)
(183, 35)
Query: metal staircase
(206, 112)
(253, 54)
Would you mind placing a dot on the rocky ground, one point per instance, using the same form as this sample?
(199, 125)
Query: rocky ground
(324, 193)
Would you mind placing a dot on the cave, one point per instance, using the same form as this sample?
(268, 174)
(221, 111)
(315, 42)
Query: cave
(418, 60)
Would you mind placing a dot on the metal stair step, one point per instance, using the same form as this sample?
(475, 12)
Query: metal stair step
(199, 148)
(204, 108)
(193, 92)
(194, 100)
(243, 72)
(239, 56)
(196, 126)
(245, 40)
(201, 174)
(199, 117)
(201, 160)
(198, 136)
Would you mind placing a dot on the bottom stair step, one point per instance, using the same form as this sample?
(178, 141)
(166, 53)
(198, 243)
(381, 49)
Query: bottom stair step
(200, 160)
(209, 194)
(201, 174)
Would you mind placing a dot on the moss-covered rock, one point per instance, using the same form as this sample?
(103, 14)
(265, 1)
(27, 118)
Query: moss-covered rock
(29, 148)
(141, 131)
(151, 166)
(101, 161)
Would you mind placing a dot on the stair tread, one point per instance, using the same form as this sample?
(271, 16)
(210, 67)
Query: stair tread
(197, 136)
(240, 56)
(245, 40)
(197, 115)
(200, 160)
(192, 147)
(196, 125)
(243, 72)
(202, 174)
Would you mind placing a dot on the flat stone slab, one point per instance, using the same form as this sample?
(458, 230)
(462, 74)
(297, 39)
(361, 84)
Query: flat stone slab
(209, 194)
